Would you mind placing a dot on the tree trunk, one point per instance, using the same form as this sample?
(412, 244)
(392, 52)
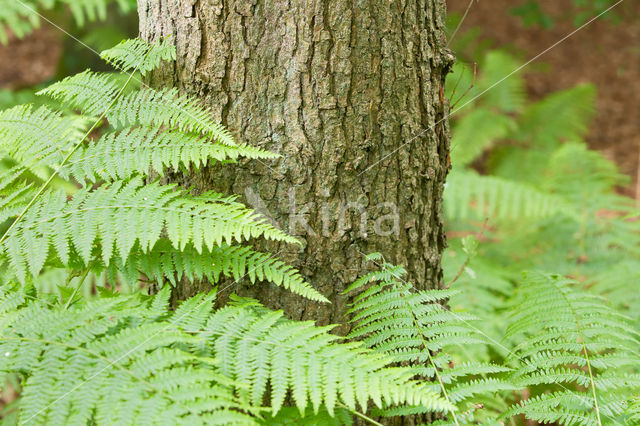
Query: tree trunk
(349, 93)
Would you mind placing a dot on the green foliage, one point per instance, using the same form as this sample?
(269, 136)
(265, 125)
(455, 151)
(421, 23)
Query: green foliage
(543, 200)
(99, 227)
(414, 327)
(22, 17)
(572, 341)
(128, 359)
(90, 226)
(126, 55)
(471, 195)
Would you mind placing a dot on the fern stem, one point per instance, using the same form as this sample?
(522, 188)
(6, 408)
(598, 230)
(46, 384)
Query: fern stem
(468, 259)
(586, 354)
(424, 344)
(361, 415)
(464, 17)
(75, 148)
(435, 368)
(80, 282)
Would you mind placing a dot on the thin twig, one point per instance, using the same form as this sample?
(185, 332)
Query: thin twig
(466, 262)
(466, 12)
(81, 278)
(361, 415)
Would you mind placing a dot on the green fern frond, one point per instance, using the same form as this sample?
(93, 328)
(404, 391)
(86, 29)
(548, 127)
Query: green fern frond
(412, 327)
(470, 195)
(266, 352)
(633, 412)
(38, 136)
(561, 116)
(612, 283)
(476, 132)
(15, 192)
(117, 215)
(502, 93)
(571, 340)
(93, 93)
(134, 151)
(579, 173)
(22, 17)
(163, 261)
(137, 54)
(85, 364)
(292, 416)
(80, 364)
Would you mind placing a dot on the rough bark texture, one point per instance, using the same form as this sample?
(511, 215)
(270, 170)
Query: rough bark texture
(348, 92)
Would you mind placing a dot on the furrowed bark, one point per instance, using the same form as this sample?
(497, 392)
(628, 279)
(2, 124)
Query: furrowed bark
(349, 93)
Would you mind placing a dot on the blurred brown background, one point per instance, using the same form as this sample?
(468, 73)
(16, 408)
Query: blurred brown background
(606, 53)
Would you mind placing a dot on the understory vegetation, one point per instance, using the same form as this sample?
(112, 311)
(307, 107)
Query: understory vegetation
(538, 320)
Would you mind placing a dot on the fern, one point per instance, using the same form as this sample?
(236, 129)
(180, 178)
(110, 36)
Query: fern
(93, 93)
(118, 216)
(413, 327)
(476, 132)
(507, 94)
(471, 195)
(126, 55)
(573, 341)
(255, 346)
(560, 116)
(118, 352)
(236, 262)
(38, 136)
(89, 362)
(121, 155)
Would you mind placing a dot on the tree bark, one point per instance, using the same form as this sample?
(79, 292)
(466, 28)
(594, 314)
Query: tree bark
(349, 93)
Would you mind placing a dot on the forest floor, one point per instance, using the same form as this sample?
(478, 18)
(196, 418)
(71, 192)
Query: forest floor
(604, 53)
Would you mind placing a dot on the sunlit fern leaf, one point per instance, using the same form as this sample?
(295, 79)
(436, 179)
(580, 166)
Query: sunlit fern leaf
(38, 136)
(272, 356)
(560, 116)
(94, 93)
(469, 195)
(124, 154)
(574, 343)
(19, 17)
(476, 132)
(117, 215)
(413, 327)
(240, 263)
(84, 364)
(136, 54)
(15, 192)
(92, 10)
